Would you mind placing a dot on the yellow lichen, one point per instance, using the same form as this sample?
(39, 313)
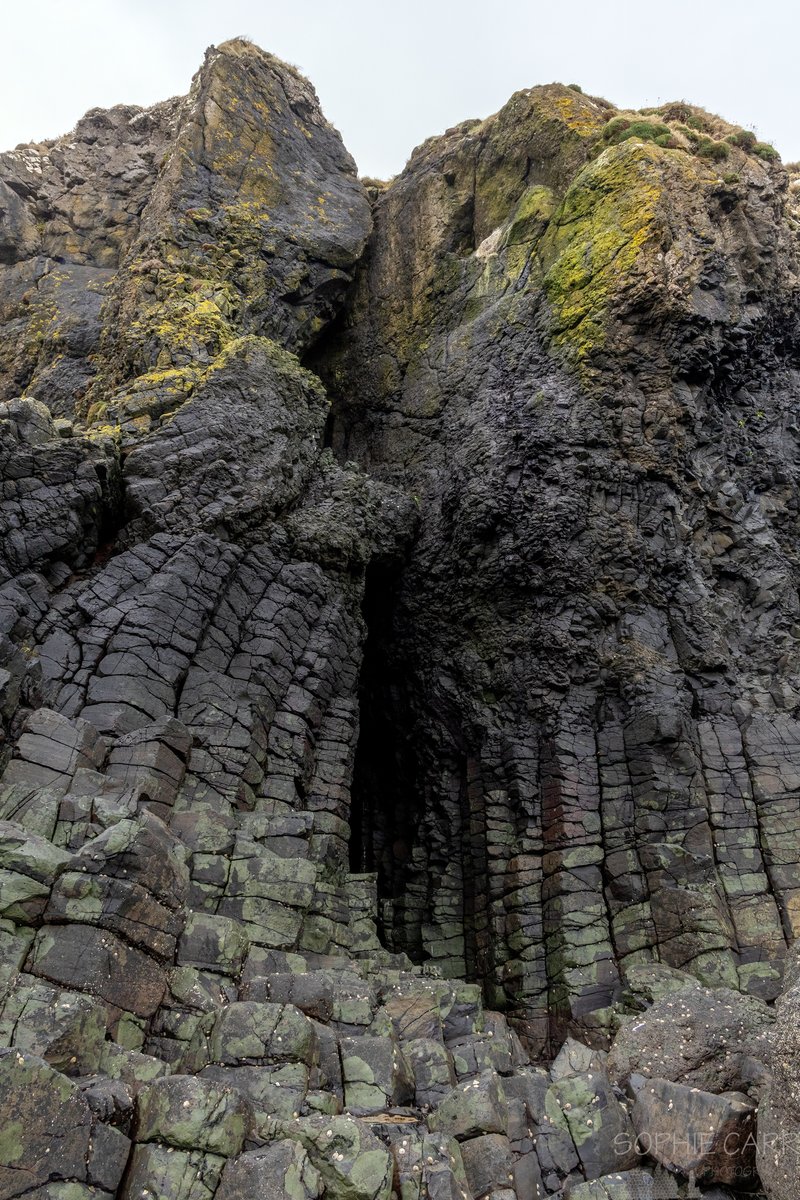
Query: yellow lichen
(528, 223)
(594, 244)
(578, 113)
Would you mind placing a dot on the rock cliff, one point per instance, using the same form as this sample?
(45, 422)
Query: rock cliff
(399, 654)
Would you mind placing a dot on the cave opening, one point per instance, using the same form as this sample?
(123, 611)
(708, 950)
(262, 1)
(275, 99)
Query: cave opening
(386, 806)
(415, 803)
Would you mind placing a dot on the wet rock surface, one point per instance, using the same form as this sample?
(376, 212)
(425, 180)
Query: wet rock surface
(399, 759)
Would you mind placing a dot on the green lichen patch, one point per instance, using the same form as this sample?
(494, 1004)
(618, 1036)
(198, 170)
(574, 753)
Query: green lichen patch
(596, 240)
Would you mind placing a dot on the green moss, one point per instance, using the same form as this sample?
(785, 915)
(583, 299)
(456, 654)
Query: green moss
(595, 241)
(615, 126)
(553, 127)
(620, 129)
(716, 151)
(496, 195)
(745, 139)
(767, 152)
(528, 223)
(534, 209)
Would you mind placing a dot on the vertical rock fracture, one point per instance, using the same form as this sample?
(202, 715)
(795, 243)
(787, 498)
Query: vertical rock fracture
(399, 654)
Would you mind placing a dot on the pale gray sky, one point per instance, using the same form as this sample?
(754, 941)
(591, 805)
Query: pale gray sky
(391, 74)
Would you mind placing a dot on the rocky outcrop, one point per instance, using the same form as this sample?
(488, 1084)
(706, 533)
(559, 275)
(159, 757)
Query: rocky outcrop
(398, 653)
(573, 336)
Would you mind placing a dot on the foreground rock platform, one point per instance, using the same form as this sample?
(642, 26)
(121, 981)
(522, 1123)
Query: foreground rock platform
(399, 680)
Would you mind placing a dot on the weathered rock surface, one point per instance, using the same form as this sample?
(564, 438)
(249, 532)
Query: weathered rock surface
(778, 1157)
(398, 620)
(705, 1137)
(709, 1038)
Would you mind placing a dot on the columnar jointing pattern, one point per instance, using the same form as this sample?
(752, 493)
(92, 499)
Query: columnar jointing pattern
(591, 657)
(398, 616)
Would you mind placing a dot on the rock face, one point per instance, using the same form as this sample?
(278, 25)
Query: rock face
(398, 616)
(578, 351)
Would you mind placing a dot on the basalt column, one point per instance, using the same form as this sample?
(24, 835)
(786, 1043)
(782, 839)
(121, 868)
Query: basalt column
(572, 338)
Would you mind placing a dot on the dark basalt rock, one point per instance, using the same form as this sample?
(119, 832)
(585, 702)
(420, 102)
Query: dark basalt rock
(706, 1137)
(398, 621)
(572, 681)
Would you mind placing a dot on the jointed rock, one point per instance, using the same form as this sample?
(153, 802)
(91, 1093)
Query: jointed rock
(399, 663)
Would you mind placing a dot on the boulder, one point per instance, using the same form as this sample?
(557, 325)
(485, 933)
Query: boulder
(488, 1164)
(710, 1138)
(191, 1114)
(49, 1131)
(472, 1108)
(98, 962)
(271, 1173)
(353, 1164)
(160, 1171)
(248, 1032)
(375, 1074)
(709, 1038)
(66, 1029)
(432, 1067)
(585, 1107)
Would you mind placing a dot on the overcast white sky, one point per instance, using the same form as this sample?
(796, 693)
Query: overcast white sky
(391, 74)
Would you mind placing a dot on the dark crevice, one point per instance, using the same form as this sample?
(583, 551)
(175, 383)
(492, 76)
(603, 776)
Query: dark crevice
(385, 810)
(418, 817)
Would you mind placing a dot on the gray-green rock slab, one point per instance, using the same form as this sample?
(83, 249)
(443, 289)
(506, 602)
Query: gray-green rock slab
(111, 1100)
(652, 981)
(213, 943)
(709, 1038)
(66, 1029)
(488, 1163)
(192, 1114)
(130, 1066)
(574, 1059)
(271, 1091)
(28, 854)
(696, 1133)
(109, 1151)
(312, 992)
(143, 850)
(353, 1163)
(22, 899)
(160, 1172)
(415, 1014)
(252, 1032)
(45, 1125)
(15, 942)
(624, 1185)
(98, 962)
(375, 1074)
(427, 1164)
(119, 905)
(472, 1108)
(432, 1067)
(598, 1123)
(330, 1060)
(277, 1172)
